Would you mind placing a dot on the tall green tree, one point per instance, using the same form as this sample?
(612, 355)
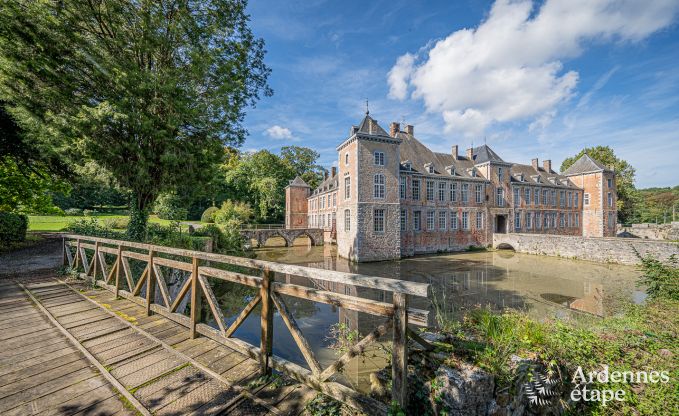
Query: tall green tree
(302, 161)
(150, 89)
(624, 177)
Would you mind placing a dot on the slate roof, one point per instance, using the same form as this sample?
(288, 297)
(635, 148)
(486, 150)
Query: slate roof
(585, 165)
(483, 154)
(298, 182)
(369, 126)
(328, 184)
(527, 174)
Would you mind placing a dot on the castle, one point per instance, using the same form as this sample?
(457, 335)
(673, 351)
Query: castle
(392, 197)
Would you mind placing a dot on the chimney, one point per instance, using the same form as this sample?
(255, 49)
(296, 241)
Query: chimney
(534, 162)
(410, 130)
(334, 171)
(470, 153)
(325, 174)
(394, 128)
(547, 165)
(453, 151)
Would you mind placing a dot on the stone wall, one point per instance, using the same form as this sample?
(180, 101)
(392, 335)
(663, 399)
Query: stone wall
(603, 250)
(651, 231)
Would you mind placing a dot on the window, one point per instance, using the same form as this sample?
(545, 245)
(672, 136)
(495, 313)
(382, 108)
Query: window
(561, 220)
(402, 187)
(553, 198)
(576, 201)
(610, 199)
(538, 220)
(610, 182)
(347, 187)
(526, 195)
(323, 202)
(322, 220)
(500, 174)
(416, 189)
(334, 199)
(479, 194)
(500, 192)
(465, 193)
(465, 220)
(585, 199)
(430, 220)
(577, 219)
(569, 201)
(404, 219)
(378, 191)
(442, 191)
(562, 199)
(536, 196)
(517, 196)
(430, 169)
(517, 220)
(479, 220)
(545, 197)
(453, 192)
(442, 220)
(611, 220)
(473, 173)
(417, 220)
(546, 222)
(378, 220)
(346, 158)
(379, 158)
(334, 220)
(430, 190)
(453, 220)
(553, 219)
(529, 223)
(570, 219)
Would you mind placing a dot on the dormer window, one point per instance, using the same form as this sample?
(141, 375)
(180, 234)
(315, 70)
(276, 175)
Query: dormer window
(429, 167)
(473, 173)
(451, 170)
(407, 165)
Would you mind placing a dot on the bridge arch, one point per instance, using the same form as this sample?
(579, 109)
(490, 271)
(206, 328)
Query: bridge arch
(505, 246)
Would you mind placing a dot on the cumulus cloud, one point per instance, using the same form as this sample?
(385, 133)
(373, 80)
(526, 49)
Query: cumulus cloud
(510, 66)
(279, 133)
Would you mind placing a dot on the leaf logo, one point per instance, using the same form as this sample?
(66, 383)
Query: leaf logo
(540, 389)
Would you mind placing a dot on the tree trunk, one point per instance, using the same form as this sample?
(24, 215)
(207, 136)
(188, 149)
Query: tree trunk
(139, 217)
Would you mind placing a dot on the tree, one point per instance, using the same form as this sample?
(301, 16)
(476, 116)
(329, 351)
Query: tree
(624, 177)
(302, 160)
(27, 174)
(151, 90)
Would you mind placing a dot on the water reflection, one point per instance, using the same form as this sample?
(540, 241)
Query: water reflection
(544, 287)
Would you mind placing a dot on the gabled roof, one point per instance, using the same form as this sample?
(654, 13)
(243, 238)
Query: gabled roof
(584, 165)
(483, 154)
(369, 126)
(299, 182)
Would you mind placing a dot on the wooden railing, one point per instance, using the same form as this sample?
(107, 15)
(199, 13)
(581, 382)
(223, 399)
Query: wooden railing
(203, 266)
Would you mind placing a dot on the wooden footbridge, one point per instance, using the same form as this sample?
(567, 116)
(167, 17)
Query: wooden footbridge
(68, 347)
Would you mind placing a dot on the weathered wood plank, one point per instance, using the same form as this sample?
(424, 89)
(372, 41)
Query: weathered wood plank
(243, 315)
(399, 360)
(195, 299)
(296, 333)
(212, 302)
(266, 338)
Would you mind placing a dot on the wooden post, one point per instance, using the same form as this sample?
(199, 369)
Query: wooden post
(95, 261)
(150, 284)
(118, 265)
(77, 256)
(399, 359)
(64, 258)
(266, 322)
(195, 299)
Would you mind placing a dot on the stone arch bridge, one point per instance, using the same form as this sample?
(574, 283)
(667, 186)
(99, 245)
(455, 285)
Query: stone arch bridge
(260, 235)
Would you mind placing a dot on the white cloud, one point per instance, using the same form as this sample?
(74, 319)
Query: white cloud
(510, 67)
(279, 133)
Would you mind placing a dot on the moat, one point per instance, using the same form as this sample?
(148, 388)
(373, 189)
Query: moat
(544, 287)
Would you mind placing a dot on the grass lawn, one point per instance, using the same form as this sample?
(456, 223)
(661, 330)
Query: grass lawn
(58, 223)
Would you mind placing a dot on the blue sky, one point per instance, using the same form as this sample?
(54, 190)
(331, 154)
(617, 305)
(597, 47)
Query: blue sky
(532, 79)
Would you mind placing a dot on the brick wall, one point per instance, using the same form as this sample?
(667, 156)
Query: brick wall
(603, 250)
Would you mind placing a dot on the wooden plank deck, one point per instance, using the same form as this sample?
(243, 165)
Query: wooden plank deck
(67, 352)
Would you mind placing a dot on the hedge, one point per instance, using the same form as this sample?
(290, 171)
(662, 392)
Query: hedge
(12, 227)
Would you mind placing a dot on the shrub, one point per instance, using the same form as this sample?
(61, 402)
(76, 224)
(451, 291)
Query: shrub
(89, 212)
(118, 223)
(233, 212)
(660, 280)
(209, 215)
(169, 207)
(74, 212)
(225, 241)
(12, 227)
(92, 227)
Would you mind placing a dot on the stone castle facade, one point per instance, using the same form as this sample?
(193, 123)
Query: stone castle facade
(393, 197)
